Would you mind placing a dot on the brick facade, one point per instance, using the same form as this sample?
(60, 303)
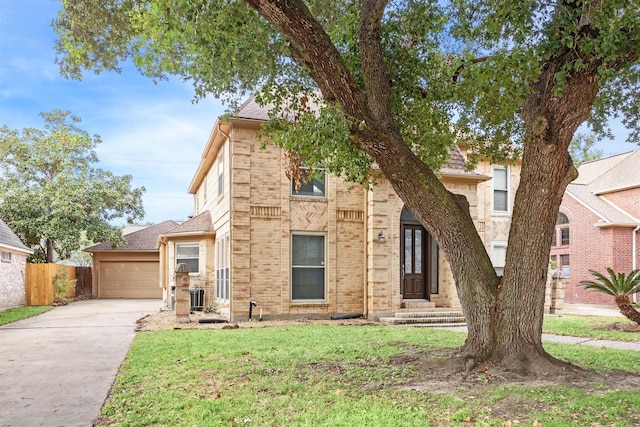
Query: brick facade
(260, 216)
(12, 276)
(602, 220)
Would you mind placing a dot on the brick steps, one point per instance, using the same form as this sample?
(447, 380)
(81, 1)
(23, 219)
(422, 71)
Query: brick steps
(434, 317)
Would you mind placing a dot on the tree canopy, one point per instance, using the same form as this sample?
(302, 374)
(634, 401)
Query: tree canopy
(401, 83)
(51, 194)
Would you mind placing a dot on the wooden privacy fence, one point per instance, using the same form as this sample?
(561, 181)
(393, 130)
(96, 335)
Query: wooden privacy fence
(40, 286)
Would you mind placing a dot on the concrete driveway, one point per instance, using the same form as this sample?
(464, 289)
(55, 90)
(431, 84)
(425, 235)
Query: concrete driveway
(56, 369)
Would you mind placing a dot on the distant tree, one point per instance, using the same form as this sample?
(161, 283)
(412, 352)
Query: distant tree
(50, 192)
(582, 149)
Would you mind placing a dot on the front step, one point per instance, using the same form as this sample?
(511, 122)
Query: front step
(434, 317)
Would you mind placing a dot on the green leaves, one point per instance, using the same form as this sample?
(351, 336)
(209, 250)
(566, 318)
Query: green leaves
(616, 284)
(51, 192)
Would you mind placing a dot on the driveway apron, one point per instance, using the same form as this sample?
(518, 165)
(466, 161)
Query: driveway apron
(56, 369)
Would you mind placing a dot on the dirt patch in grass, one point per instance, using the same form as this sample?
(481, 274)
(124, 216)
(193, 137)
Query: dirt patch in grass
(625, 327)
(166, 320)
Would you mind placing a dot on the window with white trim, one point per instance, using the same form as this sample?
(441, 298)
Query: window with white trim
(220, 161)
(312, 187)
(564, 265)
(5, 256)
(188, 253)
(222, 267)
(500, 189)
(307, 267)
(499, 256)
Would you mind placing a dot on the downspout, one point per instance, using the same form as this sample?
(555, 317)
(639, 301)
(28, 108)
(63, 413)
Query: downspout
(227, 171)
(634, 254)
(365, 267)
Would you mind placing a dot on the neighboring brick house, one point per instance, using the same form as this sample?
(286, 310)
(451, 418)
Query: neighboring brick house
(598, 224)
(333, 248)
(13, 260)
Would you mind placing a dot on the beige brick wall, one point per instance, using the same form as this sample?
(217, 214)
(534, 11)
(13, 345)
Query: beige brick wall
(362, 275)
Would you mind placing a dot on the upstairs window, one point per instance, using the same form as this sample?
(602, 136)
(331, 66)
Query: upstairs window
(220, 161)
(561, 233)
(5, 256)
(501, 189)
(188, 253)
(312, 188)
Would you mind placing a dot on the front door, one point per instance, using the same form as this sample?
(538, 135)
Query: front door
(414, 268)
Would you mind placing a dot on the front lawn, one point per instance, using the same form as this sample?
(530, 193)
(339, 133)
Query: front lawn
(19, 313)
(326, 375)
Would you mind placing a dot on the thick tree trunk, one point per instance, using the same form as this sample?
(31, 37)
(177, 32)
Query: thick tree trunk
(626, 308)
(504, 316)
(547, 169)
(49, 252)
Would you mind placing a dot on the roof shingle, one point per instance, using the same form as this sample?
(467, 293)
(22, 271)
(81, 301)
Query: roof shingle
(143, 240)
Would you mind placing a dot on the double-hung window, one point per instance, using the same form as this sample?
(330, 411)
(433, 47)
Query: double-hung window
(499, 256)
(307, 267)
(188, 253)
(313, 187)
(220, 161)
(501, 189)
(222, 267)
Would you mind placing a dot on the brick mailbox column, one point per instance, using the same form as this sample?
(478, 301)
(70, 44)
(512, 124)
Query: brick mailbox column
(183, 302)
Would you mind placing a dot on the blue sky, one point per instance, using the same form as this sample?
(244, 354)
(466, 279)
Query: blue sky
(153, 132)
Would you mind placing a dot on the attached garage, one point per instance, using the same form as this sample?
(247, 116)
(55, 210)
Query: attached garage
(129, 279)
(131, 270)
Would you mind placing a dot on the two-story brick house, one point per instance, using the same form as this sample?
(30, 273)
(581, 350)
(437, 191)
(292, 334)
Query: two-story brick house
(331, 248)
(599, 224)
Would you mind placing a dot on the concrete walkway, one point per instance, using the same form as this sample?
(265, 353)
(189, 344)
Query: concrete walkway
(584, 310)
(56, 369)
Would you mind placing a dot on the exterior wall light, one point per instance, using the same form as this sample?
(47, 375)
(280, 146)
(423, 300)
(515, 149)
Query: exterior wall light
(381, 237)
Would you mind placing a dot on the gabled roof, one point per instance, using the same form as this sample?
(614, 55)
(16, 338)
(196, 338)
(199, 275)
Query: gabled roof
(143, 240)
(611, 173)
(198, 224)
(251, 111)
(9, 240)
(603, 176)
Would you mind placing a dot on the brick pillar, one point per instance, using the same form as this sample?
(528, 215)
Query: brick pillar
(183, 301)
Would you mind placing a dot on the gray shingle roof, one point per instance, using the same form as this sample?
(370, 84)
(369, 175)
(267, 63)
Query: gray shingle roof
(198, 224)
(251, 110)
(603, 176)
(143, 240)
(9, 238)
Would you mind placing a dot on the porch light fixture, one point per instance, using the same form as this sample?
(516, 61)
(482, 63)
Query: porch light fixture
(381, 237)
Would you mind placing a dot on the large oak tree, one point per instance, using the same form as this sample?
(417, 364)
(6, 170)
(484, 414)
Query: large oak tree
(401, 82)
(53, 196)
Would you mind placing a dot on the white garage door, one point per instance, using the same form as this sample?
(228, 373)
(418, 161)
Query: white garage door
(129, 280)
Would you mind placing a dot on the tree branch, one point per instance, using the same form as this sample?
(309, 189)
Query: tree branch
(312, 49)
(376, 80)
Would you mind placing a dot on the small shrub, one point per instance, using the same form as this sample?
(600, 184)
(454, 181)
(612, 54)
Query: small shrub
(61, 287)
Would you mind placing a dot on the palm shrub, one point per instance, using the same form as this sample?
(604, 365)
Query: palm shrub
(620, 286)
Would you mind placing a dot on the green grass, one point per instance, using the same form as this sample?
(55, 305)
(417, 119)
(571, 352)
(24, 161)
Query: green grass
(589, 327)
(19, 313)
(339, 376)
